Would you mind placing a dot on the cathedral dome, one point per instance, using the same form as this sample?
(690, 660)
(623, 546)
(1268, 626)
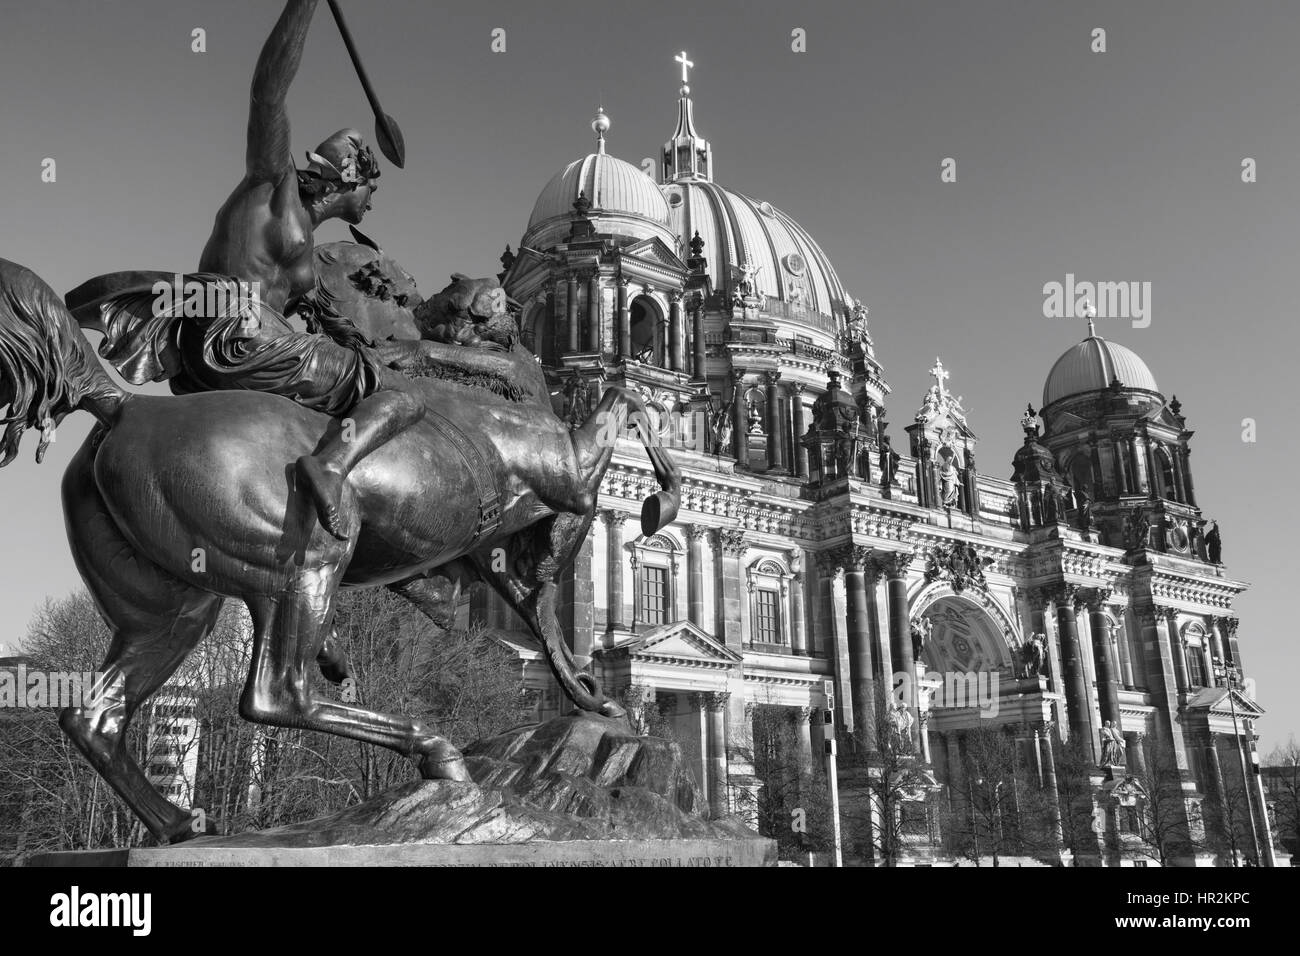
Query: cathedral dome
(1092, 365)
(610, 184)
(792, 268)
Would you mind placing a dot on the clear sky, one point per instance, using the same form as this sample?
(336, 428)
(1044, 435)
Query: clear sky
(1115, 166)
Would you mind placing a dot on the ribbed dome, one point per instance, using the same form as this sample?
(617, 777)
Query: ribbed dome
(612, 186)
(1091, 365)
(792, 267)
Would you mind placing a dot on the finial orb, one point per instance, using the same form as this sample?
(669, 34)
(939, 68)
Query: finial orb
(600, 125)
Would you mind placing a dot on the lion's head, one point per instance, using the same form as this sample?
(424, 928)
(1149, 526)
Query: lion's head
(469, 312)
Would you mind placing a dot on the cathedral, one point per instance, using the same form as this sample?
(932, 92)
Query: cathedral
(829, 552)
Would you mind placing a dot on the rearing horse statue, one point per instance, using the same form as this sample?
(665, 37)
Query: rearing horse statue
(175, 503)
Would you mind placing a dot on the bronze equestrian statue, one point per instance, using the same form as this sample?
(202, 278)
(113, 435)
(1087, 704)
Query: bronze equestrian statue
(175, 503)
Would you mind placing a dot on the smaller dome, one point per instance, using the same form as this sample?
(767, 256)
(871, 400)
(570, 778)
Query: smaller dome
(610, 184)
(1092, 365)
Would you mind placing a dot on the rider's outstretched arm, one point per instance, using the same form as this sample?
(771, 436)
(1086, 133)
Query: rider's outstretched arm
(269, 156)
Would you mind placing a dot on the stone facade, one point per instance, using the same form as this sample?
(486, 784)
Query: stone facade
(818, 548)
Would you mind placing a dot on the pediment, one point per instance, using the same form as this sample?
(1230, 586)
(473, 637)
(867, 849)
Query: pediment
(682, 640)
(1214, 700)
(654, 250)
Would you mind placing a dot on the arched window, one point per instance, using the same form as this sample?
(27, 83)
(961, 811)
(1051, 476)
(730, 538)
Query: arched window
(654, 569)
(1194, 644)
(645, 321)
(769, 590)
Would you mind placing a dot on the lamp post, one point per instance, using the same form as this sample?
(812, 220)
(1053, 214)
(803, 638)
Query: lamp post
(1221, 670)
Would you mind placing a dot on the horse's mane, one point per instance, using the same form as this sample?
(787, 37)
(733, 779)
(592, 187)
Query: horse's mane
(44, 373)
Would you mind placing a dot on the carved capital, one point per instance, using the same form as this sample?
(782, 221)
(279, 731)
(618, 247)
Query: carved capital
(828, 562)
(1097, 598)
(896, 564)
(614, 519)
(855, 558)
(696, 532)
(797, 388)
(804, 714)
(623, 283)
(729, 542)
(1227, 625)
(772, 377)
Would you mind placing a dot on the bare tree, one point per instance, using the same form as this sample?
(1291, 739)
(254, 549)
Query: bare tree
(788, 798)
(1163, 829)
(1283, 776)
(466, 683)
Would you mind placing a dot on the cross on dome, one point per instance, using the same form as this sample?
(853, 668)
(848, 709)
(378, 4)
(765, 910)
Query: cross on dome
(686, 65)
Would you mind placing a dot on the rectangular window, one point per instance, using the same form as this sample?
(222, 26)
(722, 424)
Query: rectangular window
(654, 595)
(767, 617)
(1196, 666)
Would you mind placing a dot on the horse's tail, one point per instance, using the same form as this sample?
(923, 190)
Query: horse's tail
(47, 367)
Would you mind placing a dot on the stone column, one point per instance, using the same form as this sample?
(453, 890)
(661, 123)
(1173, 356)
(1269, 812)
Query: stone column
(728, 546)
(1118, 452)
(1138, 452)
(1176, 461)
(1187, 476)
(551, 344)
(1137, 758)
(661, 342)
(1176, 649)
(833, 617)
(1121, 644)
(1161, 681)
(798, 642)
(798, 454)
(614, 521)
(861, 671)
(1044, 740)
(775, 446)
(676, 333)
(803, 736)
(700, 362)
(593, 313)
(695, 574)
(571, 309)
(624, 321)
(1077, 704)
(1103, 657)
(740, 419)
(716, 704)
(896, 566)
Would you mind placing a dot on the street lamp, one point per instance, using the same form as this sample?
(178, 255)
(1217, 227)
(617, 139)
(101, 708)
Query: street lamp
(1229, 678)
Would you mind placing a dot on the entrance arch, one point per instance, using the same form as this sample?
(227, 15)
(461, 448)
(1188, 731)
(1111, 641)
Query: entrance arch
(969, 631)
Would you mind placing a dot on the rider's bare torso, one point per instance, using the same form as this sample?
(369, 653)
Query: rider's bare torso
(263, 234)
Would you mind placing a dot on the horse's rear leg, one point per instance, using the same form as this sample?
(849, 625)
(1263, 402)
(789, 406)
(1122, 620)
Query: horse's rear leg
(288, 633)
(156, 621)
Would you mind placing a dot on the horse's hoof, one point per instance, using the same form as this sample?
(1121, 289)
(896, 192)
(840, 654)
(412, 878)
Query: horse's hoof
(611, 708)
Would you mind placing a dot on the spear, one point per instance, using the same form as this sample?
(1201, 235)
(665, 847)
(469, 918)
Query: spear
(387, 133)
